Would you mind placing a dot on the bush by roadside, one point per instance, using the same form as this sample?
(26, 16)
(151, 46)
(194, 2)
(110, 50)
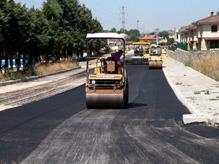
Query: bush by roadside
(14, 75)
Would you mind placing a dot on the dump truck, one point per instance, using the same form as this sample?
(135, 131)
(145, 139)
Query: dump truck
(107, 83)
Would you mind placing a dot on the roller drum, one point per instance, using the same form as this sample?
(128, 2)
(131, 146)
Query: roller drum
(155, 65)
(104, 100)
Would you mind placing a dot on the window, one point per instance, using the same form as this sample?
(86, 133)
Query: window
(214, 28)
(214, 44)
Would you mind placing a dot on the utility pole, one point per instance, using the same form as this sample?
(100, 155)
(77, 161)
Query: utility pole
(157, 30)
(138, 25)
(123, 18)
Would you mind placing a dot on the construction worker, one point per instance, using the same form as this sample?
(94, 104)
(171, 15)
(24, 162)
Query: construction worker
(119, 63)
(117, 57)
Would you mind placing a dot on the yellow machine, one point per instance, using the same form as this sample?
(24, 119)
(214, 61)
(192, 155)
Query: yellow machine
(141, 51)
(155, 60)
(147, 53)
(107, 84)
(164, 53)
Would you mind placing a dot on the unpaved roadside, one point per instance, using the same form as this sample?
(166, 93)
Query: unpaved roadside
(199, 93)
(22, 93)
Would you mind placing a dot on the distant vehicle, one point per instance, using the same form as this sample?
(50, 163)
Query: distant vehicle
(141, 50)
(164, 53)
(155, 60)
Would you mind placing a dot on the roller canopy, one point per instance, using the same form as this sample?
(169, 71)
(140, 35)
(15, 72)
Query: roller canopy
(106, 36)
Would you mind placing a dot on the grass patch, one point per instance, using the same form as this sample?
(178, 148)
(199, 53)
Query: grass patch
(12, 75)
(42, 69)
(217, 99)
(197, 92)
(208, 66)
(56, 67)
(206, 92)
(188, 63)
(1, 77)
(178, 83)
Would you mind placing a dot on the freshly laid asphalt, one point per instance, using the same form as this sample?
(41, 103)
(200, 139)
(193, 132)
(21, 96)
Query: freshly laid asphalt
(61, 130)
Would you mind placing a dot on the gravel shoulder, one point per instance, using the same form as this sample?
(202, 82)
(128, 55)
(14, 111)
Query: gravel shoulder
(21, 93)
(199, 93)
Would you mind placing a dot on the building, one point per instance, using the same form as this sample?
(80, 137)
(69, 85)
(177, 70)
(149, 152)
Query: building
(202, 34)
(148, 38)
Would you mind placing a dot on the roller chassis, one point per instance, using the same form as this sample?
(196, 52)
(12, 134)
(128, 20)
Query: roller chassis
(107, 90)
(155, 60)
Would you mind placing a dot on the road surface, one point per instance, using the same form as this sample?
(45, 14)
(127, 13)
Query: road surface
(61, 130)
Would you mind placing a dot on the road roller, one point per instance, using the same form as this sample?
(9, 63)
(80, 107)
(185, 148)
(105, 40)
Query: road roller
(155, 60)
(107, 83)
(140, 51)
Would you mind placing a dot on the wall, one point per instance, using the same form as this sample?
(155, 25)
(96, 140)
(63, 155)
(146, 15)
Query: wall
(207, 31)
(184, 56)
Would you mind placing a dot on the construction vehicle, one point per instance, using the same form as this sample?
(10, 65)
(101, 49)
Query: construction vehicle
(140, 49)
(155, 60)
(164, 53)
(107, 83)
(147, 53)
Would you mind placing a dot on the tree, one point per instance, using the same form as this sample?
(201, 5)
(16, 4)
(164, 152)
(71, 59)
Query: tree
(57, 30)
(113, 30)
(170, 41)
(134, 35)
(164, 34)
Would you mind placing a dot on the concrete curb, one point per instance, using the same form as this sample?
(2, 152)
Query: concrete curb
(31, 78)
(179, 95)
(195, 116)
(210, 119)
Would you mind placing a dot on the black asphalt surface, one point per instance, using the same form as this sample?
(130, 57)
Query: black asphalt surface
(61, 130)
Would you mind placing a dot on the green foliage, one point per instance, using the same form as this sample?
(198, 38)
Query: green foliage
(188, 63)
(133, 34)
(170, 41)
(57, 30)
(113, 30)
(164, 34)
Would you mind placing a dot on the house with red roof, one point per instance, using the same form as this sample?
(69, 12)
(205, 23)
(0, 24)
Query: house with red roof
(148, 38)
(202, 34)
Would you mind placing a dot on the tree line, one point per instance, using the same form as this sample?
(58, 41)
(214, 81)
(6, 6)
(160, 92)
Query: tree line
(55, 31)
(133, 34)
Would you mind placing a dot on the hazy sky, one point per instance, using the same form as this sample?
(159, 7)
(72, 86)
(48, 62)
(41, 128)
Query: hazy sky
(162, 14)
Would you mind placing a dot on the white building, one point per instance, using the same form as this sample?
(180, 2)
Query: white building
(202, 34)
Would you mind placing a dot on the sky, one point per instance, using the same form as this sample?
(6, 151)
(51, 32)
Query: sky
(151, 14)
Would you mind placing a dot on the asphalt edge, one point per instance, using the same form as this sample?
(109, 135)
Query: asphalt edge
(194, 116)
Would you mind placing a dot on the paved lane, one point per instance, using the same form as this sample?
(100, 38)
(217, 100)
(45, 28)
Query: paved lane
(58, 130)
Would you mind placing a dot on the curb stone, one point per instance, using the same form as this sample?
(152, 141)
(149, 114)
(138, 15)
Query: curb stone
(195, 116)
